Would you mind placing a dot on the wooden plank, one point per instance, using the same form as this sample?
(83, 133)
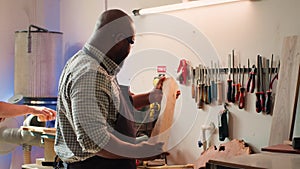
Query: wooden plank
(265, 160)
(42, 130)
(285, 92)
(167, 167)
(281, 148)
(161, 132)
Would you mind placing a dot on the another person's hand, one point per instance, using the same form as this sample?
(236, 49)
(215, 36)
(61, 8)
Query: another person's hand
(43, 113)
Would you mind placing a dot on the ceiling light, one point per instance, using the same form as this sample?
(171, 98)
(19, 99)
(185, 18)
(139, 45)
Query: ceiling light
(179, 6)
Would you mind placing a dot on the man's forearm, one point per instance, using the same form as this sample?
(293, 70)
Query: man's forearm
(140, 100)
(117, 149)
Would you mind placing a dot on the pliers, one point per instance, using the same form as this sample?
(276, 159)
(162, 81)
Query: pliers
(251, 80)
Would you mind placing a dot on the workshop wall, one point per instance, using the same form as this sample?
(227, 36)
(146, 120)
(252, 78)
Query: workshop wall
(249, 27)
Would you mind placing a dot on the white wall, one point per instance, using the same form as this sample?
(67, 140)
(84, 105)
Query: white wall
(251, 28)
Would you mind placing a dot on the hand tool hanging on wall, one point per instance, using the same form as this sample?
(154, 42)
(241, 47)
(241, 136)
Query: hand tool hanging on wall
(276, 76)
(259, 86)
(269, 92)
(193, 83)
(238, 84)
(248, 69)
(207, 87)
(219, 87)
(233, 82)
(201, 88)
(251, 80)
(213, 82)
(229, 81)
(223, 123)
(198, 86)
(196, 80)
(241, 101)
(262, 83)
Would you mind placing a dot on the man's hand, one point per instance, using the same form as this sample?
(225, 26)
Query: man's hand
(149, 151)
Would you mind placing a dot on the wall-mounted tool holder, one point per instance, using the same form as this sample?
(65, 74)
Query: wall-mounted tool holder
(207, 86)
(237, 70)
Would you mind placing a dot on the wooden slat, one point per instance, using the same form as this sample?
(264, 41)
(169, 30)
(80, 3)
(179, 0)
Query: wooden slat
(41, 130)
(161, 132)
(285, 92)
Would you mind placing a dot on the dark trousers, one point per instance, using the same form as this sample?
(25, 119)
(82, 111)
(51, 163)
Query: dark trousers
(97, 162)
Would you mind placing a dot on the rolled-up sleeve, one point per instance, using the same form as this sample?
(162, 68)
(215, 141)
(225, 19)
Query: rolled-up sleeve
(90, 103)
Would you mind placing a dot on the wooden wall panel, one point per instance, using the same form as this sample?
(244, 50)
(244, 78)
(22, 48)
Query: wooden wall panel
(286, 89)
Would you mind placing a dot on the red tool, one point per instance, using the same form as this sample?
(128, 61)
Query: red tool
(251, 80)
(241, 101)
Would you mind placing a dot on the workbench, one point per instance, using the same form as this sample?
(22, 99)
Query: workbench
(273, 157)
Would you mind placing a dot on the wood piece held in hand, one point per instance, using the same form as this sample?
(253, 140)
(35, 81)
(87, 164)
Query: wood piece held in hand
(161, 130)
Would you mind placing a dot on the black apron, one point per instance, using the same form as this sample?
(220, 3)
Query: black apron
(124, 130)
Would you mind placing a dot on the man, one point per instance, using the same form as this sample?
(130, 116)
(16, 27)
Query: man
(12, 110)
(94, 120)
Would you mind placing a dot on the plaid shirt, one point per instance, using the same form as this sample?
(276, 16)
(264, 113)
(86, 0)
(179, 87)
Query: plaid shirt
(88, 102)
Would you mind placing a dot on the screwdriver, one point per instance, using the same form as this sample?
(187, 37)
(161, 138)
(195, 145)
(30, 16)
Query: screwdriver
(242, 92)
(229, 81)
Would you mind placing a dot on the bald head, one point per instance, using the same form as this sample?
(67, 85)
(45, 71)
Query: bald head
(111, 15)
(112, 31)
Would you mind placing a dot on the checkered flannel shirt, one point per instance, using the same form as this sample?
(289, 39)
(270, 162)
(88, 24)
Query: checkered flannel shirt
(87, 106)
